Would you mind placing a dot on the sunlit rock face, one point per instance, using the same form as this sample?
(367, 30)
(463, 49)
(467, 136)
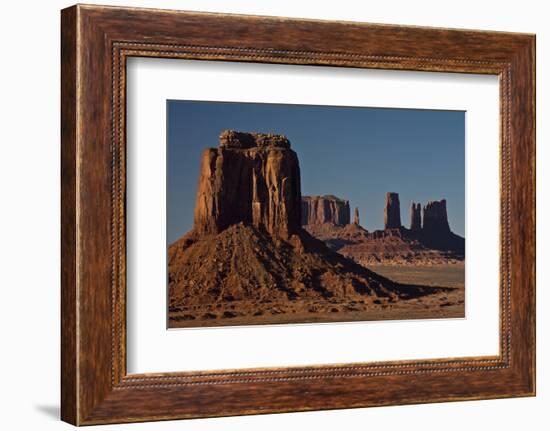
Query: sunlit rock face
(251, 178)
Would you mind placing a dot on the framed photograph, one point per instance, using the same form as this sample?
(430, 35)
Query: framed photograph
(264, 214)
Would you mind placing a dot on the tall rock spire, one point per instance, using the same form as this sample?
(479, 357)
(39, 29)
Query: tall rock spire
(392, 211)
(356, 217)
(416, 218)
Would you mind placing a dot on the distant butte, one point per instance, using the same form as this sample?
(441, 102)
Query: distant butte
(325, 209)
(392, 211)
(428, 241)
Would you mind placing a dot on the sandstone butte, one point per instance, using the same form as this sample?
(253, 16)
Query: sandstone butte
(247, 243)
(325, 209)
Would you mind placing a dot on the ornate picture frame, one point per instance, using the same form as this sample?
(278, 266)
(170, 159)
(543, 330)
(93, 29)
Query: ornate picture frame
(96, 41)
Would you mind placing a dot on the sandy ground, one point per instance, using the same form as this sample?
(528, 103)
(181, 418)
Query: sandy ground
(436, 275)
(444, 303)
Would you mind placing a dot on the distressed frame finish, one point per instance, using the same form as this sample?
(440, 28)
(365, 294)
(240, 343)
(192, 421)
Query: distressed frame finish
(96, 41)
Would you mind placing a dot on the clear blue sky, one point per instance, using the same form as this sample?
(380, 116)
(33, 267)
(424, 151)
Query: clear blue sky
(357, 154)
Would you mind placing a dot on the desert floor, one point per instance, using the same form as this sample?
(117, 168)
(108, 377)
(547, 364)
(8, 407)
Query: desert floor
(445, 303)
(451, 275)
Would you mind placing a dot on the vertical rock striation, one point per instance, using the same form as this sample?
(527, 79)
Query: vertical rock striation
(325, 209)
(416, 218)
(251, 178)
(392, 211)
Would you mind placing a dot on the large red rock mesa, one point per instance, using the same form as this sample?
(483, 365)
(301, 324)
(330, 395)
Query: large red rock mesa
(325, 209)
(251, 178)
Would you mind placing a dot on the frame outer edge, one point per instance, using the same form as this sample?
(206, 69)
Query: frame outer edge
(87, 397)
(533, 53)
(69, 202)
(530, 63)
(523, 180)
(532, 101)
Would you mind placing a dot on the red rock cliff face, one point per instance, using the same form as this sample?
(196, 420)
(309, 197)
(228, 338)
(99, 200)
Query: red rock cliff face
(251, 178)
(325, 209)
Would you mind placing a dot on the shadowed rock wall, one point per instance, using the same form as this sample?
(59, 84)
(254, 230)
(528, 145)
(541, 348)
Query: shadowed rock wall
(416, 218)
(392, 211)
(435, 217)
